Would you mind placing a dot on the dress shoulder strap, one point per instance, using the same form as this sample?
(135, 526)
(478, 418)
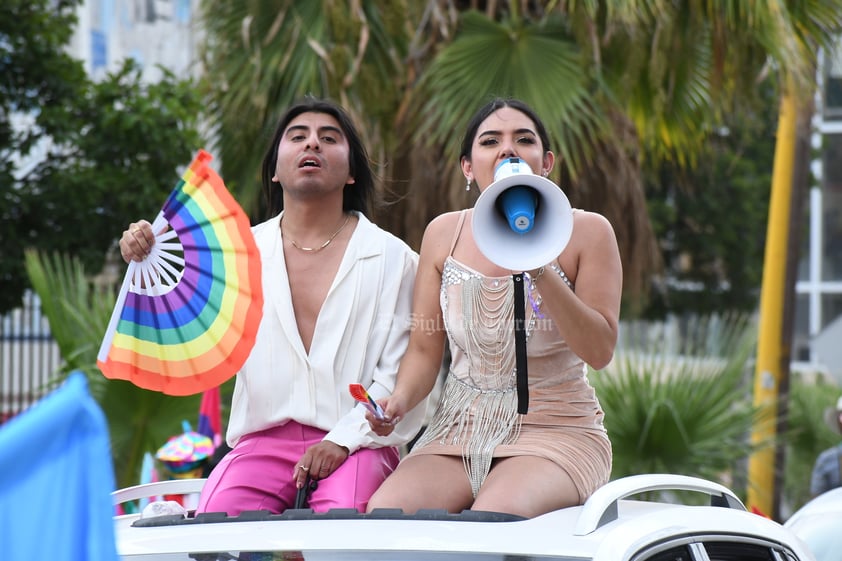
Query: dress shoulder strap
(458, 231)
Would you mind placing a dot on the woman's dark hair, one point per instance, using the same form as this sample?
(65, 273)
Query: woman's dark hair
(491, 107)
(357, 196)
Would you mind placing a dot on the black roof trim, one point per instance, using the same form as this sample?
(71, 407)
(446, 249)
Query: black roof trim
(333, 514)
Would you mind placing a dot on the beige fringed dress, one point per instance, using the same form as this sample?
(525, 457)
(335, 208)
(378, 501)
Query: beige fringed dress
(477, 416)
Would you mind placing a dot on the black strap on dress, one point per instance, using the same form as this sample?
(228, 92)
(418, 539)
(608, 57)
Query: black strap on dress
(520, 345)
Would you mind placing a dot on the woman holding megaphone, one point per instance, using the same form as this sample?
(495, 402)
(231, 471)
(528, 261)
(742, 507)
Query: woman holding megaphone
(546, 297)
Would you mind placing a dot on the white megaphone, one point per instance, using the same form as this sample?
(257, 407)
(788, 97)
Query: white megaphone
(521, 221)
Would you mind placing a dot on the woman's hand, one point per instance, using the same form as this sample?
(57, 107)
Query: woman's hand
(137, 241)
(393, 411)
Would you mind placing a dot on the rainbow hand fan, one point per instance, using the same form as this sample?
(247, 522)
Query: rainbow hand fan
(186, 317)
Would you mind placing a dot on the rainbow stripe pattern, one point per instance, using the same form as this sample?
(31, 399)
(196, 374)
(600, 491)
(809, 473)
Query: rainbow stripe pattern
(186, 317)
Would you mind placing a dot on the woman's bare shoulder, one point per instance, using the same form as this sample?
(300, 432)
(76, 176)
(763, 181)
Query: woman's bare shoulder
(592, 234)
(591, 223)
(439, 233)
(443, 224)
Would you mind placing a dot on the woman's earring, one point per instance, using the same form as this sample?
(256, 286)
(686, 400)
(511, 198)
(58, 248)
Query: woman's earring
(546, 173)
(468, 184)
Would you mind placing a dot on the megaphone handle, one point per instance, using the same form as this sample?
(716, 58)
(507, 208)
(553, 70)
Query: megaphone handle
(520, 345)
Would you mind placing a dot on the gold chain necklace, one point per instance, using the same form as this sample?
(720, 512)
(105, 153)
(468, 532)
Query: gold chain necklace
(321, 247)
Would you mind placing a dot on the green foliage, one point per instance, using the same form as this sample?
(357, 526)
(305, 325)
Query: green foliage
(712, 217)
(679, 402)
(98, 155)
(118, 165)
(260, 57)
(511, 58)
(33, 63)
(658, 75)
(138, 420)
(142, 421)
(807, 434)
(77, 311)
(36, 72)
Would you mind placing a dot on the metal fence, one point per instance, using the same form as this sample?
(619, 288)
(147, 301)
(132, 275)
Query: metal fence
(29, 357)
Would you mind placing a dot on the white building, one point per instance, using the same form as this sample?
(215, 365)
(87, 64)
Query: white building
(817, 337)
(152, 32)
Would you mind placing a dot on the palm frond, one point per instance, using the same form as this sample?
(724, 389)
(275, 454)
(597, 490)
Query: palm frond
(257, 60)
(260, 57)
(77, 311)
(683, 407)
(142, 421)
(807, 434)
(536, 63)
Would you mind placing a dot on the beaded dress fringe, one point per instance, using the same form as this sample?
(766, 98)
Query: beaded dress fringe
(493, 420)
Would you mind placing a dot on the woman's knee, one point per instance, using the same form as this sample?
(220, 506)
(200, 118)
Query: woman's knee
(508, 489)
(425, 482)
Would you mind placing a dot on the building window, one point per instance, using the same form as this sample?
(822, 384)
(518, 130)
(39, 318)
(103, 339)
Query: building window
(831, 308)
(804, 246)
(832, 211)
(99, 50)
(833, 83)
(801, 330)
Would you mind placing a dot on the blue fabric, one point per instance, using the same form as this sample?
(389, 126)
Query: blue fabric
(56, 479)
(827, 471)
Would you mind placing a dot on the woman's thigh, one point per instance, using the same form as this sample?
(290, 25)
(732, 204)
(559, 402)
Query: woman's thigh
(425, 481)
(526, 486)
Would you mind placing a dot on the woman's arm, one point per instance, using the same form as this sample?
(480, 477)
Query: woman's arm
(420, 365)
(588, 318)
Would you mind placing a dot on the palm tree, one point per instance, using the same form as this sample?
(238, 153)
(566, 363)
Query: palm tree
(259, 57)
(622, 84)
(678, 400)
(535, 57)
(657, 72)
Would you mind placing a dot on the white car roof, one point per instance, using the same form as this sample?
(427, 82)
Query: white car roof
(608, 526)
(819, 524)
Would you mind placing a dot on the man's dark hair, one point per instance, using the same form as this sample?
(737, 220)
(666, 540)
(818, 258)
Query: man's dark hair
(357, 196)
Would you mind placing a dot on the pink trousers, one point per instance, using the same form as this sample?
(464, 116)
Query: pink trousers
(257, 474)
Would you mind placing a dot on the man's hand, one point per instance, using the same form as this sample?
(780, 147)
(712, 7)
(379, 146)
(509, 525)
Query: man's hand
(137, 241)
(320, 460)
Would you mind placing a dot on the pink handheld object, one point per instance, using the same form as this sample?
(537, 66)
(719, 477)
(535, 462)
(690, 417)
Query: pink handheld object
(360, 394)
